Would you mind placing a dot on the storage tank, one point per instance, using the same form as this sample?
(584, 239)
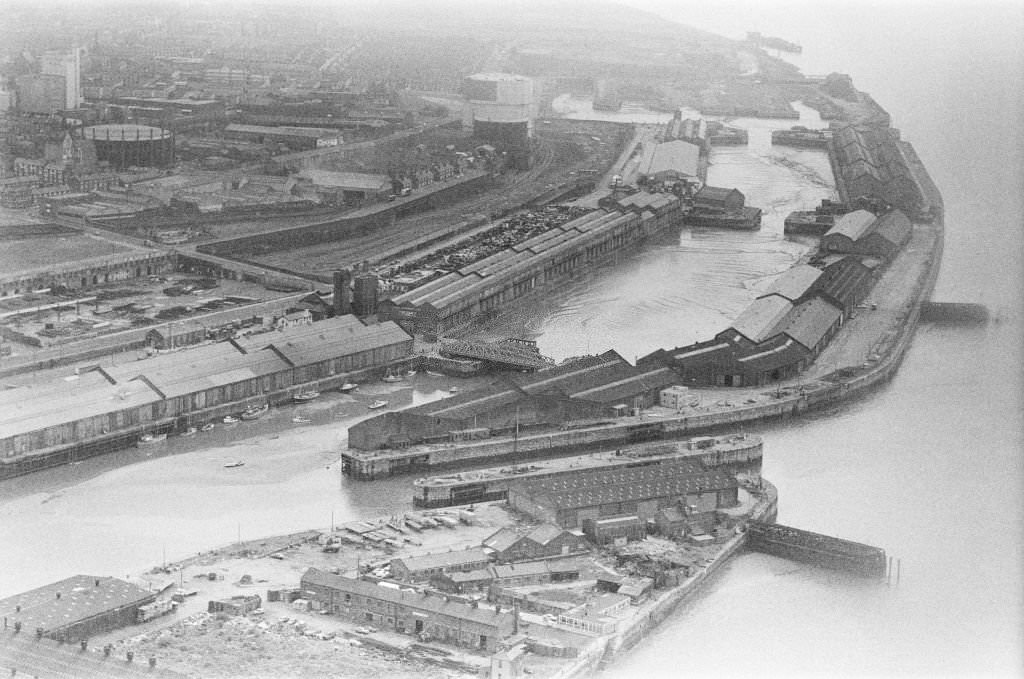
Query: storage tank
(126, 145)
(503, 108)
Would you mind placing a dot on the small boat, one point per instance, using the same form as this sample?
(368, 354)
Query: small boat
(150, 439)
(304, 396)
(377, 404)
(236, 463)
(209, 426)
(230, 419)
(452, 390)
(255, 412)
(392, 378)
(299, 419)
(410, 373)
(434, 374)
(347, 387)
(189, 432)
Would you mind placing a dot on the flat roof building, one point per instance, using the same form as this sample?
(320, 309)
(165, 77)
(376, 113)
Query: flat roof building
(75, 608)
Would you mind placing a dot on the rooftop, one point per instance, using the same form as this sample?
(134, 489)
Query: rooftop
(443, 559)
(70, 601)
(854, 225)
(430, 603)
(758, 320)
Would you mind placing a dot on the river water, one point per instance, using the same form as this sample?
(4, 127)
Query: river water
(928, 467)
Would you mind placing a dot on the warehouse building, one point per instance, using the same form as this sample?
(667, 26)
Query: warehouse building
(672, 161)
(594, 387)
(796, 284)
(428, 616)
(861, 233)
(348, 188)
(846, 281)
(75, 608)
(596, 494)
(544, 541)
(490, 286)
(168, 390)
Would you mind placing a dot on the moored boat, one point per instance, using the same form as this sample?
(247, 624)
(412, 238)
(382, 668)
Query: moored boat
(347, 387)
(189, 432)
(151, 439)
(230, 419)
(236, 463)
(209, 426)
(304, 396)
(390, 377)
(299, 419)
(379, 403)
(255, 412)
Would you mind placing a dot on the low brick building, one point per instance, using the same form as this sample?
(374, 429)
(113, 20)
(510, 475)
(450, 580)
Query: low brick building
(428, 616)
(422, 568)
(546, 540)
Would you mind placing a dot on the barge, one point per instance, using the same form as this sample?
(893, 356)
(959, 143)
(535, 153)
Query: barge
(740, 452)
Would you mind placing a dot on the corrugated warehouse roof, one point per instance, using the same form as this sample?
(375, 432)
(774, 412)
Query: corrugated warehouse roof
(709, 353)
(461, 406)
(757, 320)
(577, 376)
(778, 352)
(854, 225)
(443, 560)
(674, 156)
(425, 293)
(27, 409)
(191, 370)
(415, 600)
(809, 321)
(310, 349)
(842, 280)
(894, 227)
(617, 390)
(795, 282)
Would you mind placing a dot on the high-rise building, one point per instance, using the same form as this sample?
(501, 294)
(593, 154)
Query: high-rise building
(68, 65)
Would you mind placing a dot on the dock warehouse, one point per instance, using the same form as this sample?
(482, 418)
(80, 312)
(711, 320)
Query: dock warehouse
(861, 233)
(586, 388)
(489, 286)
(568, 501)
(75, 608)
(672, 161)
(408, 612)
(154, 394)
